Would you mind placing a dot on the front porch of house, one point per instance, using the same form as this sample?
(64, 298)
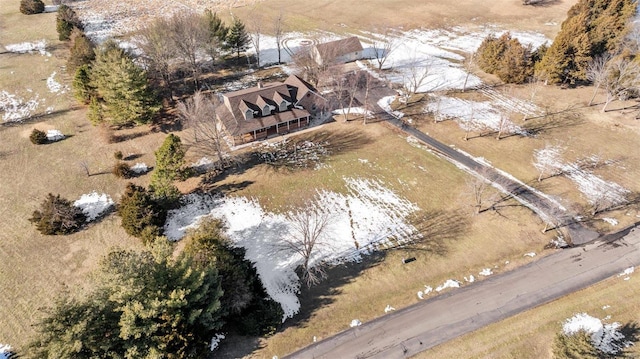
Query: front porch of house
(270, 131)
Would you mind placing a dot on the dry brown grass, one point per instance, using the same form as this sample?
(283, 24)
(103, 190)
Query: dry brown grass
(530, 334)
(346, 16)
(374, 151)
(583, 131)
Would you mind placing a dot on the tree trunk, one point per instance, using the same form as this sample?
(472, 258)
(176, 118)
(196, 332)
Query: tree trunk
(595, 92)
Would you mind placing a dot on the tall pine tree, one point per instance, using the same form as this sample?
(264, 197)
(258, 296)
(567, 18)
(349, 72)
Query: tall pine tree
(122, 87)
(237, 38)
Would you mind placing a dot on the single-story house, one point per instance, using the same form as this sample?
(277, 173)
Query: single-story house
(268, 109)
(338, 52)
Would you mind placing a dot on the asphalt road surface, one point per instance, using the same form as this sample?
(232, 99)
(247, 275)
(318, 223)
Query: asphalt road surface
(425, 324)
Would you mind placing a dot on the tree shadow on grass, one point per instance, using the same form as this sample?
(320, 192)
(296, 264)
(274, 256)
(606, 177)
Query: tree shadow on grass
(309, 149)
(552, 120)
(435, 230)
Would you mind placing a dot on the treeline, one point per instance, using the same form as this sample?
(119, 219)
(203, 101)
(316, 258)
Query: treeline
(592, 29)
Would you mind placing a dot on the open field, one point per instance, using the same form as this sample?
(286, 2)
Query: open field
(458, 244)
(530, 334)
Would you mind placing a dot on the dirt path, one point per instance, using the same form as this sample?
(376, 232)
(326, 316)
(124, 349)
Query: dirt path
(442, 318)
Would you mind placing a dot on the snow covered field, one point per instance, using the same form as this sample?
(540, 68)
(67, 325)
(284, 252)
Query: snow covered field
(369, 217)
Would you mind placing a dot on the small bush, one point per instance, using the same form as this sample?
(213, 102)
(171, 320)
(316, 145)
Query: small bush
(118, 155)
(38, 137)
(66, 21)
(57, 216)
(141, 215)
(122, 170)
(30, 7)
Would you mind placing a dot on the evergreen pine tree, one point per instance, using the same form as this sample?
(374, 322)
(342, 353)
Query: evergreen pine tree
(123, 87)
(82, 89)
(145, 305)
(141, 215)
(237, 38)
(81, 52)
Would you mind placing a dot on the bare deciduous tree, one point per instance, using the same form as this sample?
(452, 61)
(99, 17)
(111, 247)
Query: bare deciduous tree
(478, 187)
(255, 29)
(597, 73)
(306, 65)
(307, 235)
(188, 33)
(278, 32)
(199, 112)
(468, 68)
(382, 48)
(416, 77)
(622, 80)
(158, 50)
(548, 160)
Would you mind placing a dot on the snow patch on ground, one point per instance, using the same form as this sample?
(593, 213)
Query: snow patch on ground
(449, 283)
(627, 272)
(367, 218)
(140, 168)
(15, 108)
(352, 111)
(54, 86)
(355, 323)
(215, 341)
(385, 104)
(54, 136)
(611, 221)
(389, 308)
(597, 191)
(530, 254)
(472, 116)
(29, 47)
(5, 351)
(93, 205)
(486, 272)
(605, 337)
(471, 279)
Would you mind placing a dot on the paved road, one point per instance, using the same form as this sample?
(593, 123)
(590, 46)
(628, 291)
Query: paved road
(428, 323)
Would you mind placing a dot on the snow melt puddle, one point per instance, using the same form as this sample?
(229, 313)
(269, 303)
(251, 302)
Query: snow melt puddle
(369, 217)
(93, 204)
(605, 337)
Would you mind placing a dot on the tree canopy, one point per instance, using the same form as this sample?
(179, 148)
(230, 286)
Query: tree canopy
(592, 28)
(144, 305)
(122, 87)
(237, 38)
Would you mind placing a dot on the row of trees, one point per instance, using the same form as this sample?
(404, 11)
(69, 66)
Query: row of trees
(183, 40)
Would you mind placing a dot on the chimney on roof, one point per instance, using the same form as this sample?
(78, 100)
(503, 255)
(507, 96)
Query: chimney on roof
(260, 84)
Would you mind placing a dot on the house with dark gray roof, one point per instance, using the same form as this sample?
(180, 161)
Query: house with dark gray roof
(338, 52)
(268, 109)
